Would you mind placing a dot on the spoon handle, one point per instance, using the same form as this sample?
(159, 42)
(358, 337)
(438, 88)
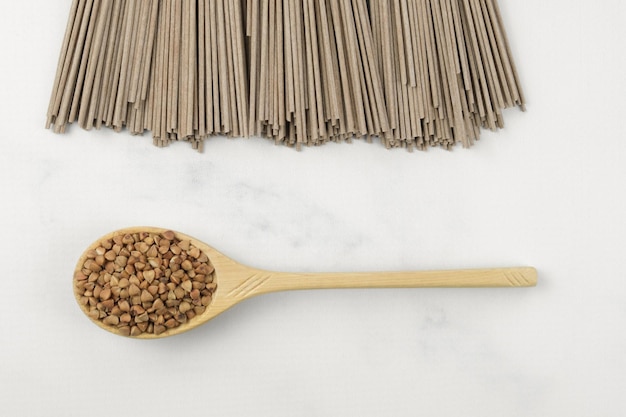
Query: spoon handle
(267, 282)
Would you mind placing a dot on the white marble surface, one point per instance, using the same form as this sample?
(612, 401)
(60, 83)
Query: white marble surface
(547, 191)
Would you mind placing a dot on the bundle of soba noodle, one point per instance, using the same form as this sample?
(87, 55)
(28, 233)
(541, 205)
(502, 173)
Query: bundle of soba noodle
(412, 73)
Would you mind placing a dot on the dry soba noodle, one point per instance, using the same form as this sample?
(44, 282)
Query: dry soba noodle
(412, 73)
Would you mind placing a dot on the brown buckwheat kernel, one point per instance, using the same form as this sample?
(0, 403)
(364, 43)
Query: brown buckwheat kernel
(145, 282)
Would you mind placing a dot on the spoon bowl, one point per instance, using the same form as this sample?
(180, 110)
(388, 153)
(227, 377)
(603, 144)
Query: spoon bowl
(233, 282)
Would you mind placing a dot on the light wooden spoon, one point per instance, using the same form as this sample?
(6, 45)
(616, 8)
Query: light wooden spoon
(237, 282)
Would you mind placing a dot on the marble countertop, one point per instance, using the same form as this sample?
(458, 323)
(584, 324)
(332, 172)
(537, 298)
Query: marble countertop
(547, 191)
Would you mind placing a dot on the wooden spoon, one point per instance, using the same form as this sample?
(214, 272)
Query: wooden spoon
(237, 282)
